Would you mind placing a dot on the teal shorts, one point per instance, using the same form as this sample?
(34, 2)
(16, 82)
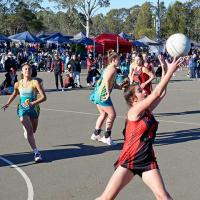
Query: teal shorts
(32, 112)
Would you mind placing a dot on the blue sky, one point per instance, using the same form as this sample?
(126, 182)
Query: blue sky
(116, 4)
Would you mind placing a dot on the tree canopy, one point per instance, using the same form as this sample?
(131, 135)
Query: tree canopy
(81, 15)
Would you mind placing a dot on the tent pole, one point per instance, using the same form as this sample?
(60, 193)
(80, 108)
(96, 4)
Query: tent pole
(94, 49)
(117, 45)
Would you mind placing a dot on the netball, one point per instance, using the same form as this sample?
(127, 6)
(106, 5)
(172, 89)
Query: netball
(178, 45)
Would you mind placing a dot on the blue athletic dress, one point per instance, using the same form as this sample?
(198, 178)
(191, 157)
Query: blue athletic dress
(99, 92)
(27, 95)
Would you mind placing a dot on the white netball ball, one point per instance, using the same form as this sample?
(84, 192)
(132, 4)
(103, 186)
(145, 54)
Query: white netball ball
(178, 45)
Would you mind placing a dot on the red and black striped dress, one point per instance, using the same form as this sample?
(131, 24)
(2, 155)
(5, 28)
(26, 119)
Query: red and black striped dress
(141, 77)
(137, 153)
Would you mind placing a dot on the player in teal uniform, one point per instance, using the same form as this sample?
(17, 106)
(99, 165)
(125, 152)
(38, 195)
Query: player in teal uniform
(101, 97)
(28, 108)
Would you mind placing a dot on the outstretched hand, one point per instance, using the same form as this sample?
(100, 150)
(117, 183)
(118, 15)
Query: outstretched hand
(4, 107)
(174, 64)
(161, 60)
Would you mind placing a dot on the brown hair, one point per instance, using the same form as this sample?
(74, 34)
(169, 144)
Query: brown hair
(129, 92)
(23, 65)
(111, 55)
(140, 56)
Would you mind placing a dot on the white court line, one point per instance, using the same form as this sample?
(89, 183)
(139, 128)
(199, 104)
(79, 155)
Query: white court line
(23, 174)
(118, 116)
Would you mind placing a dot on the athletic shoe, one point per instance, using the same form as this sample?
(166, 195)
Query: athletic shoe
(25, 133)
(107, 141)
(63, 90)
(95, 137)
(38, 157)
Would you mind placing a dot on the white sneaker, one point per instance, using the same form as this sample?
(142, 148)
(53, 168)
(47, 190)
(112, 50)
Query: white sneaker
(25, 133)
(38, 157)
(108, 141)
(95, 137)
(63, 90)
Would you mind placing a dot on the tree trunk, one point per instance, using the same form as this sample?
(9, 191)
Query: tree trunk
(87, 27)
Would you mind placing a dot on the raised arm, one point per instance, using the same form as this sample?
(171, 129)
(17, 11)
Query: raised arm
(159, 89)
(131, 72)
(163, 65)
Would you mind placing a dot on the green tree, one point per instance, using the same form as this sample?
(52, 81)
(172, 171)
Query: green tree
(85, 10)
(98, 25)
(131, 20)
(115, 19)
(176, 19)
(20, 16)
(145, 22)
(193, 19)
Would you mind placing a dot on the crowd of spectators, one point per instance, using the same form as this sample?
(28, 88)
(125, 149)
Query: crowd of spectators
(64, 61)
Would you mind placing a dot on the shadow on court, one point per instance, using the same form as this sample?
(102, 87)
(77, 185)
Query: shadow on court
(177, 137)
(80, 149)
(179, 80)
(178, 113)
(70, 151)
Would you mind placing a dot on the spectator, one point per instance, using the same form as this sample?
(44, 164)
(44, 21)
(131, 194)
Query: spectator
(75, 69)
(58, 67)
(7, 87)
(92, 77)
(192, 64)
(10, 63)
(91, 64)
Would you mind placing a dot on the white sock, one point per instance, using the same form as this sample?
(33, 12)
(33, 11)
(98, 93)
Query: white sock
(35, 151)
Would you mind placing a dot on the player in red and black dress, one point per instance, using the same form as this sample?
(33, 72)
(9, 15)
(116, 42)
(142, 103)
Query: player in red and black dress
(143, 75)
(137, 156)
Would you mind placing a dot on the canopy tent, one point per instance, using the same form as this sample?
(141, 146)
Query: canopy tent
(3, 38)
(43, 34)
(57, 38)
(25, 37)
(125, 36)
(112, 41)
(154, 47)
(79, 36)
(139, 44)
(84, 41)
(68, 36)
(148, 41)
(195, 44)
